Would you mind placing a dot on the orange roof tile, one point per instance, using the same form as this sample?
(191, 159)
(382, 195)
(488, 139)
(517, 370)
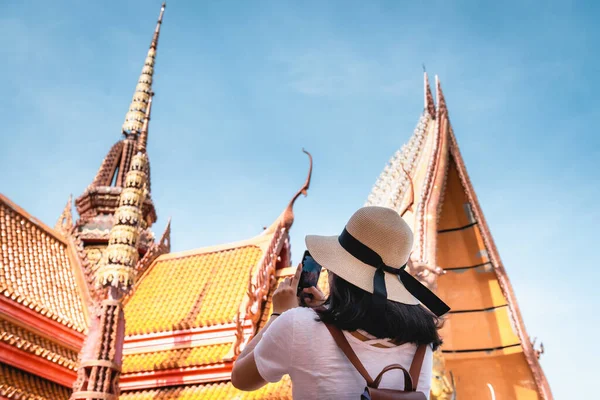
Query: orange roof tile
(177, 358)
(187, 290)
(36, 269)
(30, 342)
(214, 391)
(18, 384)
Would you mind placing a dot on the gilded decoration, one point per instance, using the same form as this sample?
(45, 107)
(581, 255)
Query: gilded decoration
(394, 182)
(122, 251)
(442, 383)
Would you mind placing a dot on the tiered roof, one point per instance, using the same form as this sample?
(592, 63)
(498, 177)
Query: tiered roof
(281, 390)
(38, 271)
(39, 346)
(43, 300)
(17, 384)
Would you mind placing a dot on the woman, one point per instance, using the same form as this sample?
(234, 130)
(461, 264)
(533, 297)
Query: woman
(372, 299)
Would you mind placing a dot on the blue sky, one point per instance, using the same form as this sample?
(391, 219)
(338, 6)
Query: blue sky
(241, 87)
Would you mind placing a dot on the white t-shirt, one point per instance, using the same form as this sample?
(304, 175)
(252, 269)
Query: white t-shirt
(299, 345)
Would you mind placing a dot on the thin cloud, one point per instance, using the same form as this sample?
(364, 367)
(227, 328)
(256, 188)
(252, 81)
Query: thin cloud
(335, 69)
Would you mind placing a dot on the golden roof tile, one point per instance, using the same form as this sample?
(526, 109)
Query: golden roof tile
(176, 358)
(35, 268)
(214, 391)
(18, 384)
(191, 290)
(30, 342)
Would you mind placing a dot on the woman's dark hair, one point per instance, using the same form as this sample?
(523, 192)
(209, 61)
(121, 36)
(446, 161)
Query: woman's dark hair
(350, 308)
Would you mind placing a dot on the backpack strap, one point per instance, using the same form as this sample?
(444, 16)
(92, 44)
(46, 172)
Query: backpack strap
(343, 344)
(410, 378)
(417, 363)
(408, 381)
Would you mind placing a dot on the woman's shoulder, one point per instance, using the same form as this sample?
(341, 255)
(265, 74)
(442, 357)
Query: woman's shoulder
(301, 316)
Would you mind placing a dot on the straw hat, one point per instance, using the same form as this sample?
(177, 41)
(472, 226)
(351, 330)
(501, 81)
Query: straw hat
(381, 230)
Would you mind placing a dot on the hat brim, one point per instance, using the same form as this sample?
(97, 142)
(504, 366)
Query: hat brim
(327, 251)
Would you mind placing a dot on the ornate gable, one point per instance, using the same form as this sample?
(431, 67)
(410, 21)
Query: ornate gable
(486, 347)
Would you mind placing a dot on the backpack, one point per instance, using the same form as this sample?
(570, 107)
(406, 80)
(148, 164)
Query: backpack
(372, 391)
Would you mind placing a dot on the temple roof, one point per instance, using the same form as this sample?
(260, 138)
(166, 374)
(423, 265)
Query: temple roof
(190, 312)
(18, 384)
(37, 345)
(176, 358)
(216, 391)
(484, 334)
(191, 289)
(38, 269)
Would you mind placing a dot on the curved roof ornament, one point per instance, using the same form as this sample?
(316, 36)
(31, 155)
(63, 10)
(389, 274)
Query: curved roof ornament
(287, 218)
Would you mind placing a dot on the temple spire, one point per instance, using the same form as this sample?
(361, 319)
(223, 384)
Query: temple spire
(134, 118)
(429, 105)
(102, 354)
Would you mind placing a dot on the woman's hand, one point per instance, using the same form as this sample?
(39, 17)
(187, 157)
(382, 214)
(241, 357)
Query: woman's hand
(313, 297)
(284, 297)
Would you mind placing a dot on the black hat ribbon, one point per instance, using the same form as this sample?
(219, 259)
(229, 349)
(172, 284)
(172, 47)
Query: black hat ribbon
(368, 256)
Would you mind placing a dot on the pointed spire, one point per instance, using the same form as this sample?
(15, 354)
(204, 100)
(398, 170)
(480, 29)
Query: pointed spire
(101, 360)
(429, 105)
(441, 102)
(143, 91)
(65, 221)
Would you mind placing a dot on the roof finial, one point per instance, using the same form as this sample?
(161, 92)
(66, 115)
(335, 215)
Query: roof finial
(441, 102)
(429, 105)
(65, 221)
(288, 214)
(143, 91)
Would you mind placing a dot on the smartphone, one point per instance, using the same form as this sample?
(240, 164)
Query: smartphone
(309, 275)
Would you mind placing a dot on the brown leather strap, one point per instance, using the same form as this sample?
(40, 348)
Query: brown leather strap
(343, 344)
(417, 363)
(408, 382)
